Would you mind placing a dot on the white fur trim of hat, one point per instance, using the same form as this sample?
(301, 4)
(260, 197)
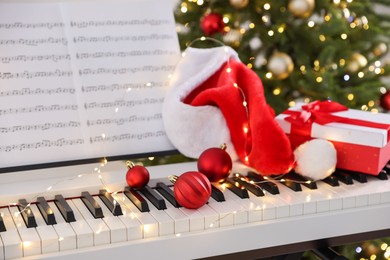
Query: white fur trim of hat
(194, 129)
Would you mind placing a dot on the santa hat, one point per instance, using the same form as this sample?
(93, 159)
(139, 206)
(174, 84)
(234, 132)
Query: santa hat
(215, 99)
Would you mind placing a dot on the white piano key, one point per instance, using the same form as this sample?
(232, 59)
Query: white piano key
(379, 190)
(150, 225)
(166, 224)
(226, 217)
(180, 220)
(133, 225)
(196, 219)
(49, 237)
(67, 236)
(1, 249)
(11, 240)
(299, 198)
(84, 233)
(211, 217)
(253, 211)
(101, 233)
(348, 198)
(335, 201)
(30, 238)
(359, 199)
(118, 231)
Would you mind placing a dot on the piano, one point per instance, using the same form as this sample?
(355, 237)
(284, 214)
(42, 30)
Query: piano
(288, 217)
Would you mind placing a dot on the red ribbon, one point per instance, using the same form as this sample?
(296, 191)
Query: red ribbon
(320, 112)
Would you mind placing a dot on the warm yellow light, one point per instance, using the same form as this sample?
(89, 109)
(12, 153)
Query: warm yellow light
(281, 29)
(267, 6)
(336, 2)
(244, 103)
(151, 158)
(251, 25)
(202, 38)
(361, 74)
(350, 96)
(327, 18)
(322, 37)
(265, 18)
(311, 24)
(319, 79)
(291, 103)
(306, 100)
(366, 27)
(277, 91)
(271, 33)
(316, 63)
(352, 25)
(378, 70)
(342, 62)
(377, 63)
(302, 68)
(344, 36)
(235, 85)
(225, 19)
(268, 75)
(249, 65)
(364, 108)
(200, 2)
(228, 70)
(371, 68)
(372, 257)
(246, 159)
(183, 8)
(371, 103)
(242, 30)
(384, 246)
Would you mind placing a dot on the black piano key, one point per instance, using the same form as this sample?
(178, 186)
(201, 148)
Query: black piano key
(2, 225)
(167, 193)
(264, 183)
(302, 180)
(343, 177)
(110, 203)
(382, 175)
(217, 194)
(46, 212)
(27, 214)
(64, 208)
(154, 197)
(237, 188)
(291, 184)
(252, 187)
(360, 177)
(92, 205)
(332, 181)
(137, 199)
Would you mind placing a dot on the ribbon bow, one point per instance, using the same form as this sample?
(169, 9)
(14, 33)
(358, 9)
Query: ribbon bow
(320, 112)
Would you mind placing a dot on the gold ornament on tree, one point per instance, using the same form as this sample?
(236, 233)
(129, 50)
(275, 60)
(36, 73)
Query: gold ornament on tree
(280, 65)
(301, 8)
(357, 62)
(239, 3)
(232, 38)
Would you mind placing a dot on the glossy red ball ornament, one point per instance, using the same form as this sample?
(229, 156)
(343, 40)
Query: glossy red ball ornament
(385, 101)
(212, 23)
(215, 163)
(191, 189)
(137, 176)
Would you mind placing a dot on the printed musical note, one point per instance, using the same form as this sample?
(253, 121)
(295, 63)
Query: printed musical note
(132, 22)
(37, 91)
(37, 108)
(123, 120)
(123, 38)
(42, 144)
(127, 136)
(19, 25)
(31, 58)
(35, 42)
(42, 127)
(123, 54)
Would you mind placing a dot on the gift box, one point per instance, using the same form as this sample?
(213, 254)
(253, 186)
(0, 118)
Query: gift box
(361, 138)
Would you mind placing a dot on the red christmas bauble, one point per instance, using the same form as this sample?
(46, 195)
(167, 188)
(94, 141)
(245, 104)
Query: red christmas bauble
(215, 163)
(385, 101)
(212, 23)
(192, 189)
(137, 176)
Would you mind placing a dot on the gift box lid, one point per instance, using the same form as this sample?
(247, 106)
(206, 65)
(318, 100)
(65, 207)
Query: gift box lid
(344, 132)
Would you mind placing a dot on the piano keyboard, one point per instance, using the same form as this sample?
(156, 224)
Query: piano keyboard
(149, 223)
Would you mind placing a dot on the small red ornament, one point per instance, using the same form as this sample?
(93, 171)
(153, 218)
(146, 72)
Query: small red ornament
(385, 101)
(137, 176)
(215, 163)
(212, 23)
(191, 189)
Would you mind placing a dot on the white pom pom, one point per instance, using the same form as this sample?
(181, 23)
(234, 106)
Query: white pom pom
(316, 159)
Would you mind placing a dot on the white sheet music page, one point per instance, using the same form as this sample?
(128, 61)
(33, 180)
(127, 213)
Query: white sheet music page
(83, 80)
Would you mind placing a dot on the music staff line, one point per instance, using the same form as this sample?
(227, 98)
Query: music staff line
(122, 121)
(122, 38)
(127, 136)
(38, 108)
(42, 144)
(126, 86)
(114, 71)
(38, 74)
(123, 54)
(42, 127)
(132, 22)
(29, 58)
(123, 103)
(37, 91)
(20, 25)
(35, 42)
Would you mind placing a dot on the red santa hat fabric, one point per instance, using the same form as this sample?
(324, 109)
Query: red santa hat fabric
(204, 108)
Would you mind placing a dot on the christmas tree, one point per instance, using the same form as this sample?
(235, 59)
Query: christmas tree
(303, 50)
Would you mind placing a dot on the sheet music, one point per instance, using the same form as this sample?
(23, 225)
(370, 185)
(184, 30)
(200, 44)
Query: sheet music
(83, 79)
